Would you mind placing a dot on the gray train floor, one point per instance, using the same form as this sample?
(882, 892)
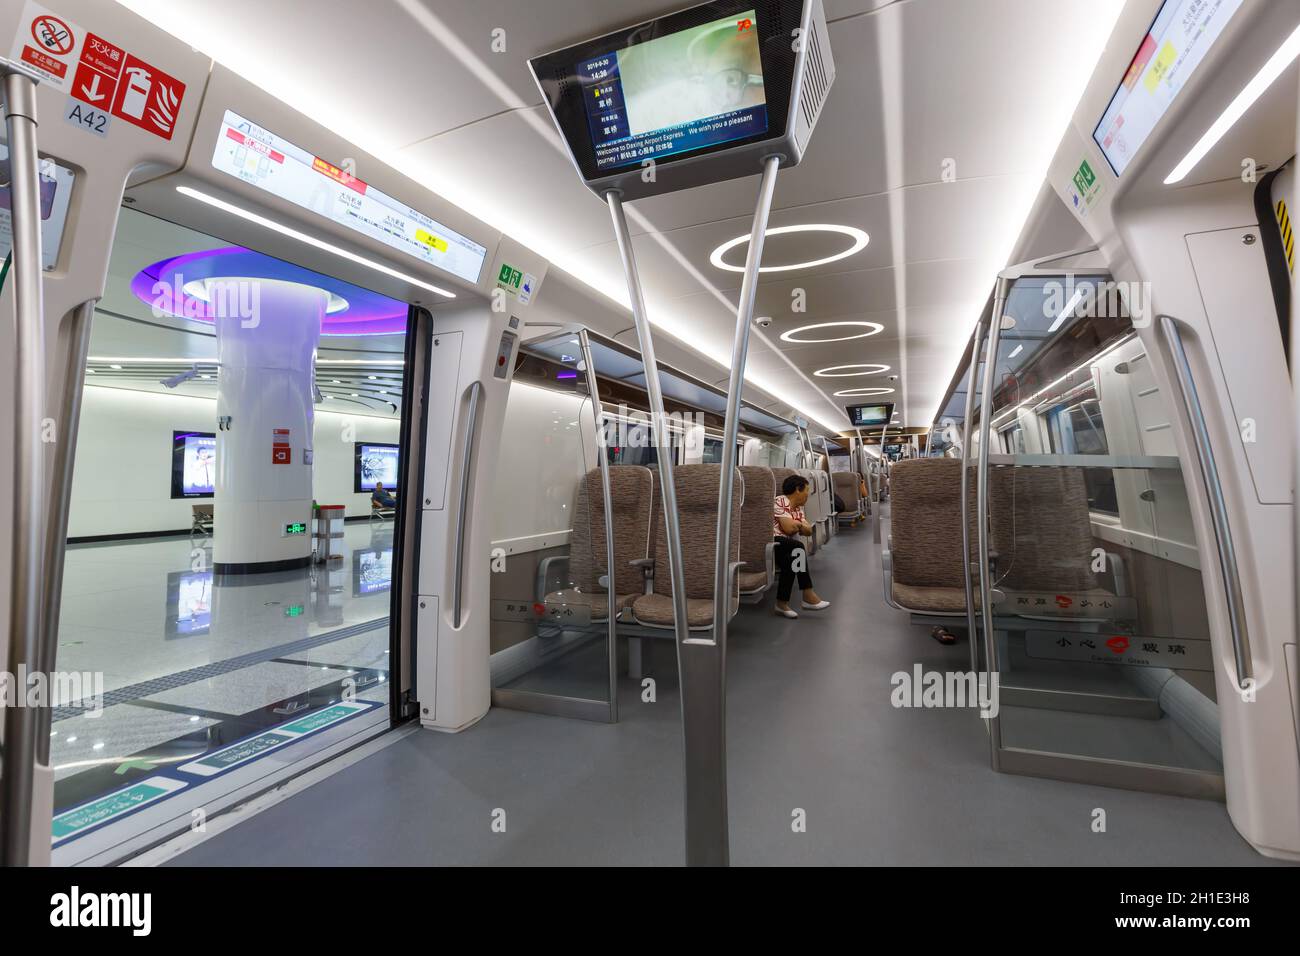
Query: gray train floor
(810, 728)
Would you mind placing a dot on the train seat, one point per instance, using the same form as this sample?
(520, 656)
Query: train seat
(924, 572)
(630, 491)
(845, 484)
(757, 550)
(697, 508)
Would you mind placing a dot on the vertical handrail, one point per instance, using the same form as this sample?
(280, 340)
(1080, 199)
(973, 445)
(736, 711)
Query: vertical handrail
(611, 593)
(735, 384)
(701, 812)
(658, 417)
(982, 506)
(1218, 503)
(971, 630)
(471, 426)
(28, 530)
(56, 534)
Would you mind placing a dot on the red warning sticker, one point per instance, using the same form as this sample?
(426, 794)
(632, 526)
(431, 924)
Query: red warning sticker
(97, 71)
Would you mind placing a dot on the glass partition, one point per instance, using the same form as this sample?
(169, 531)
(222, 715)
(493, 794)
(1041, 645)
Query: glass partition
(551, 634)
(1101, 642)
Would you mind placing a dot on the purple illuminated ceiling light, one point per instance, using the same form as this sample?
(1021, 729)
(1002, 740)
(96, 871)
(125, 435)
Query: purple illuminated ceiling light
(161, 286)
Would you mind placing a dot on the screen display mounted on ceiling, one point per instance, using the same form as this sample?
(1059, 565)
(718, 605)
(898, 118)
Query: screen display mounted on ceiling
(864, 416)
(710, 78)
(261, 158)
(1180, 36)
(698, 87)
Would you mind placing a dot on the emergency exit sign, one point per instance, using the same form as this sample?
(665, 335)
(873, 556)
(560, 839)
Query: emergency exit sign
(295, 528)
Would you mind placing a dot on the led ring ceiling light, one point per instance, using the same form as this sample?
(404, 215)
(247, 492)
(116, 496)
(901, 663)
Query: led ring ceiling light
(790, 335)
(860, 240)
(834, 371)
(857, 392)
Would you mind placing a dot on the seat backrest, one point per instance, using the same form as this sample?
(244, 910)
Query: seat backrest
(1039, 525)
(756, 515)
(814, 509)
(846, 486)
(630, 489)
(697, 513)
(925, 522)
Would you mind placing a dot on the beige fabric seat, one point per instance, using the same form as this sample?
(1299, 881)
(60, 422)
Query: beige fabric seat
(924, 570)
(846, 486)
(755, 532)
(1040, 530)
(697, 509)
(630, 490)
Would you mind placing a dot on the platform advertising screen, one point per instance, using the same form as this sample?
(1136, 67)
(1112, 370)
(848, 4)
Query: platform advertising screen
(194, 464)
(376, 463)
(688, 90)
(189, 603)
(1180, 36)
(372, 571)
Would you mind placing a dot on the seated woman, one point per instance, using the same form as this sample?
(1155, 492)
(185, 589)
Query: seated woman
(791, 558)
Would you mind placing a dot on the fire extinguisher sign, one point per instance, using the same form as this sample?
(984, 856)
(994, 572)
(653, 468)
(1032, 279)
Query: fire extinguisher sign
(97, 72)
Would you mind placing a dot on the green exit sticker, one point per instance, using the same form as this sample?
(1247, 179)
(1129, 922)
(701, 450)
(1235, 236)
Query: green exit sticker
(1086, 188)
(296, 527)
(293, 610)
(509, 278)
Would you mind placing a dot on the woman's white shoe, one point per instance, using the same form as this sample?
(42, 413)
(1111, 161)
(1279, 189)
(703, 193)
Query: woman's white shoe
(788, 612)
(816, 607)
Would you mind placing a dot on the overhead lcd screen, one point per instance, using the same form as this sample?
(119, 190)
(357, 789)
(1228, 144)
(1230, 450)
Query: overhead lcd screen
(864, 416)
(376, 463)
(692, 89)
(263, 159)
(194, 464)
(1179, 38)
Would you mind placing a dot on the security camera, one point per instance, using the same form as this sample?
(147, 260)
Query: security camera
(763, 321)
(185, 376)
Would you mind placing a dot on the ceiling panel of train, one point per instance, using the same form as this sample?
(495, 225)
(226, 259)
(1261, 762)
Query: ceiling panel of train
(934, 142)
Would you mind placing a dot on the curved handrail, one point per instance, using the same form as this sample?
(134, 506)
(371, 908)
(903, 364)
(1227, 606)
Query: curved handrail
(1214, 492)
(471, 426)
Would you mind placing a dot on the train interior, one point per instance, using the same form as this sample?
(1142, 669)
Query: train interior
(379, 532)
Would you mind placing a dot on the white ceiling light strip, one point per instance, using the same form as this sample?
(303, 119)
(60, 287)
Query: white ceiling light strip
(1242, 102)
(282, 229)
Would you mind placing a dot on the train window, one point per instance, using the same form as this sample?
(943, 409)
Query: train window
(712, 451)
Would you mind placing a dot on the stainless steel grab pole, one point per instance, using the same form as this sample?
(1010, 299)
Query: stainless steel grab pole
(26, 275)
(704, 845)
(467, 453)
(982, 505)
(1218, 503)
(602, 459)
(74, 375)
(972, 631)
(735, 384)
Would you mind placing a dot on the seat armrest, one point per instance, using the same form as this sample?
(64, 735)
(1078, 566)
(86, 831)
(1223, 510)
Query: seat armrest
(769, 559)
(543, 572)
(647, 569)
(887, 568)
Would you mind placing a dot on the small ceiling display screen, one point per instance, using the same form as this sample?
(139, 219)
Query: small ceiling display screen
(863, 416)
(692, 89)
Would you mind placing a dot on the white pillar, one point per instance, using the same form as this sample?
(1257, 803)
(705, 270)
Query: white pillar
(264, 423)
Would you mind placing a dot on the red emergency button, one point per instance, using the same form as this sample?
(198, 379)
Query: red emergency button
(501, 360)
